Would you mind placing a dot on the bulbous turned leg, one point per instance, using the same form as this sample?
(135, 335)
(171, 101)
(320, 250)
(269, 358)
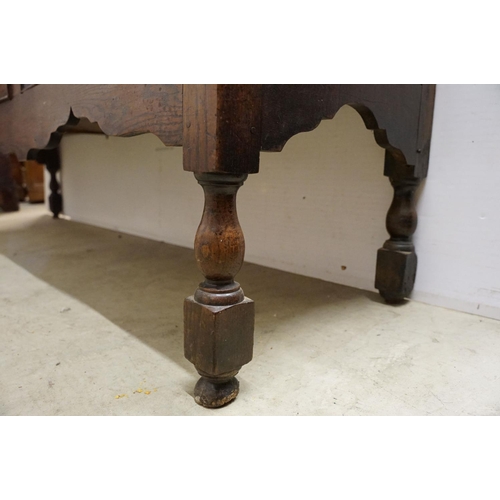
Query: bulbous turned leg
(51, 159)
(218, 318)
(397, 260)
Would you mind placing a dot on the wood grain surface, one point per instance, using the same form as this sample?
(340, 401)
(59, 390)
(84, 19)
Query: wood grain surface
(31, 120)
(222, 127)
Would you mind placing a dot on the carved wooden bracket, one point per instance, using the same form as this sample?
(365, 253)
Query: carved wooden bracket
(400, 117)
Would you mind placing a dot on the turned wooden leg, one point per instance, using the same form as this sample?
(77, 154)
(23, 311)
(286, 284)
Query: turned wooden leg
(51, 159)
(218, 318)
(397, 260)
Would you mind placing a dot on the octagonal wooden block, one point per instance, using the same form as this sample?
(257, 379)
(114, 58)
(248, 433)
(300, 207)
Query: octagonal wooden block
(218, 339)
(395, 274)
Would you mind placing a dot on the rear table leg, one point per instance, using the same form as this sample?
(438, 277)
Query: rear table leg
(51, 159)
(397, 260)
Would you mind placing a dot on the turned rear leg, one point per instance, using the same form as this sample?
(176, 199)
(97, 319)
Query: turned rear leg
(397, 260)
(51, 159)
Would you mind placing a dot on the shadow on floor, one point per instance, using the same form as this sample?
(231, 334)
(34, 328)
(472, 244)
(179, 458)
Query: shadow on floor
(140, 284)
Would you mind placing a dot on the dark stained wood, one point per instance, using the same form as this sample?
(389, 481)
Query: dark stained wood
(400, 117)
(425, 130)
(218, 340)
(219, 242)
(391, 111)
(30, 120)
(401, 219)
(397, 259)
(52, 160)
(291, 109)
(222, 128)
(219, 319)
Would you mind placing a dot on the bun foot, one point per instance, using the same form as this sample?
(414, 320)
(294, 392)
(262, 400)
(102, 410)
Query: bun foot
(212, 394)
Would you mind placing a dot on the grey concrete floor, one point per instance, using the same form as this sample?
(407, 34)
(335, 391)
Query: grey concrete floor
(91, 324)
